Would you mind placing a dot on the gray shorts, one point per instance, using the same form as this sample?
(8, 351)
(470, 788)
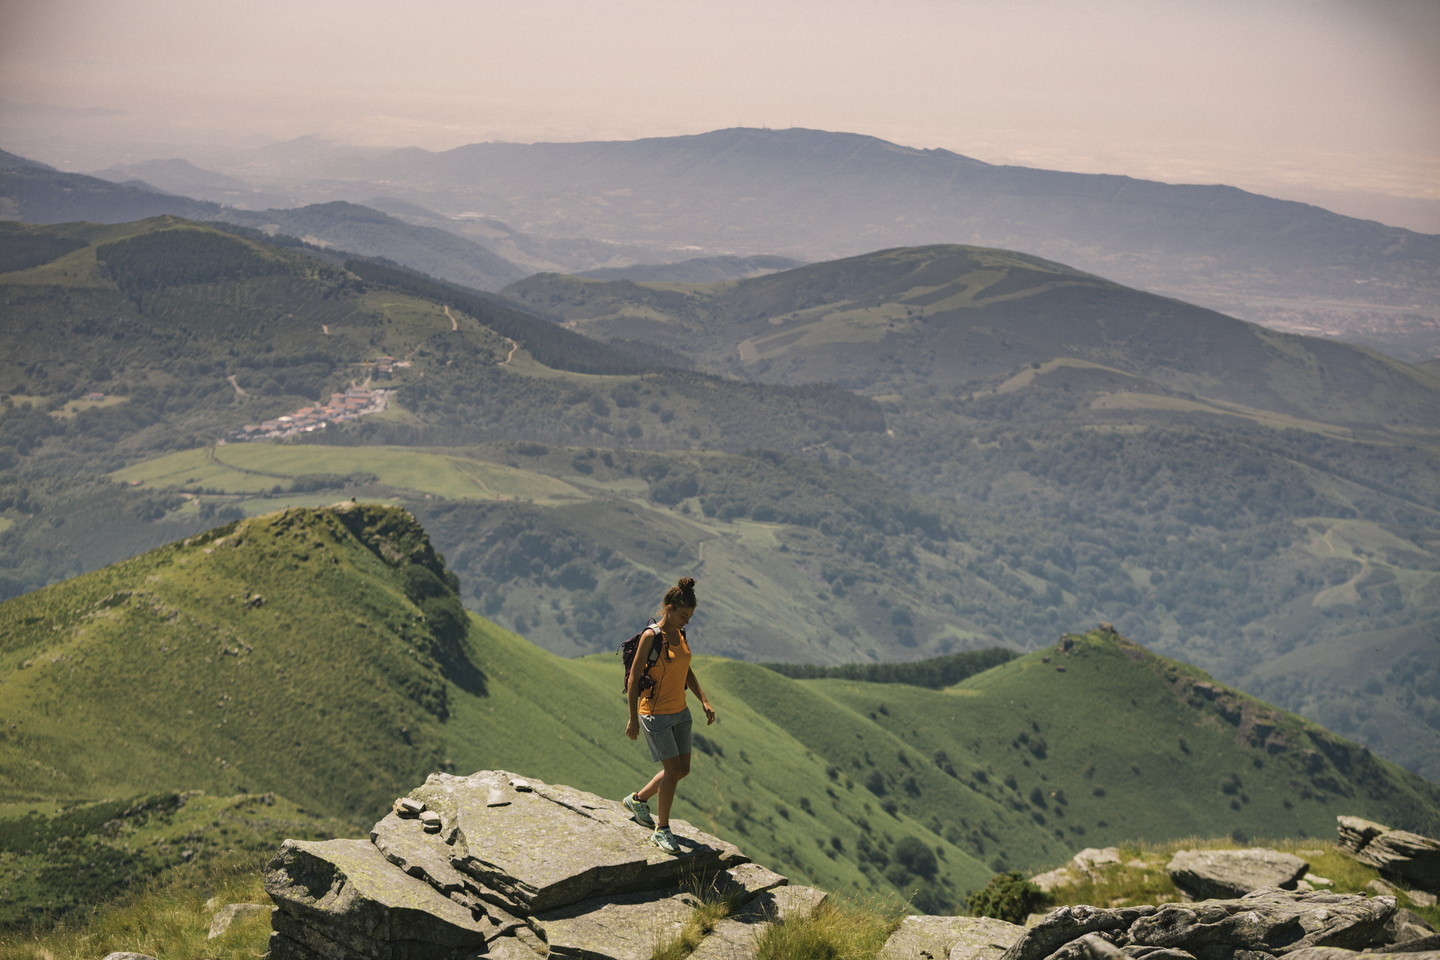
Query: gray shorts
(667, 735)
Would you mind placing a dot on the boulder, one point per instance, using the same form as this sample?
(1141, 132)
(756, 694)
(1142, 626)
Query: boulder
(1400, 854)
(1086, 863)
(495, 864)
(1218, 874)
(128, 956)
(554, 845)
(1272, 921)
(1267, 923)
(1065, 924)
(1404, 926)
(955, 938)
(335, 896)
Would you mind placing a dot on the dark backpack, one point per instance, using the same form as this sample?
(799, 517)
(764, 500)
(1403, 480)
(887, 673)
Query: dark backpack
(627, 656)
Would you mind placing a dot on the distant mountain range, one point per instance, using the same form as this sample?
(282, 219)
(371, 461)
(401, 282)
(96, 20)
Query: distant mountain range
(817, 195)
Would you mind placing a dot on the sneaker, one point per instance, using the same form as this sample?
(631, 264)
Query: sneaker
(640, 809)
(665, 840)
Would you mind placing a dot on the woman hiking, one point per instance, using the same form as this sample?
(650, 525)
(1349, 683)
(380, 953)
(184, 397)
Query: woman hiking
(662, 712)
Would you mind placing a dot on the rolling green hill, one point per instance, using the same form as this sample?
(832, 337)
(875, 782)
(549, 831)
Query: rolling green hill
(829, 527)
(322, 654)
(939, 317)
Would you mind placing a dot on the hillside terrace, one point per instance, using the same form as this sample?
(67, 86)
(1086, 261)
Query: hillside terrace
(354, 402)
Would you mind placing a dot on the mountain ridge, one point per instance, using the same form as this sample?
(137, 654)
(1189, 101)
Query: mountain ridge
(950, 314)
(392, 681)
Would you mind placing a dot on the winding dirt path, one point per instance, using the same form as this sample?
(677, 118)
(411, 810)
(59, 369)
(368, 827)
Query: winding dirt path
(238, 388)
(511, 355)
(454, 324)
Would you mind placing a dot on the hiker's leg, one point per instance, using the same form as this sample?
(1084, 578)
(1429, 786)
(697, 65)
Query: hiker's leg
(676, 769)
(650, 788)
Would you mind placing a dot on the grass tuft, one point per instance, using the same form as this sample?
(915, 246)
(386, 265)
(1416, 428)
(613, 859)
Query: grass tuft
(835, 931)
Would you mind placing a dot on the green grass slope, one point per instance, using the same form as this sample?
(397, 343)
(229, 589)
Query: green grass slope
(304, 651)
(944, 315)
(357, 674)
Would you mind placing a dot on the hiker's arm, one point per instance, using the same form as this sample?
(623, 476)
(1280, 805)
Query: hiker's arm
(637, 667)
(693, 682)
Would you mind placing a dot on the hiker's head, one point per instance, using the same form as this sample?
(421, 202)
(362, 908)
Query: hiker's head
(680, 599)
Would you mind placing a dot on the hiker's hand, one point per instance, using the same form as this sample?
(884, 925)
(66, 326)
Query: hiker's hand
(632, 729)
(709, 712)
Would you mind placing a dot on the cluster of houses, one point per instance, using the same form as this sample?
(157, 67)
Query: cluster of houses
(354, 402)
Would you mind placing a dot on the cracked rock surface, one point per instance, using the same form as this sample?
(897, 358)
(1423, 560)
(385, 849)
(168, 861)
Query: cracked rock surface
(1263, 925)
(547, 870)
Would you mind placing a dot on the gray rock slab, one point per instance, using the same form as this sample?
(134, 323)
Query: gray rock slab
(1059, 877)
(226, 915)
(1404, 925)
(746, 882)
(426, 856)
(349, 886)
(332, 942)
(1065, 924)
(128, 956)
(1092, 858)
(1220, 874)
(1397, 853)
(950, 938)
(625, 927)
(552, 846)
(985, 938)
(1270, 921)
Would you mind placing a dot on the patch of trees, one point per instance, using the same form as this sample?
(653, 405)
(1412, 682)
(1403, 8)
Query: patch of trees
(936, 673)
(23, 250)
(186, 255)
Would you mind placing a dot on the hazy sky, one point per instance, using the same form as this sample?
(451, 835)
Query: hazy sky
(1336, 95)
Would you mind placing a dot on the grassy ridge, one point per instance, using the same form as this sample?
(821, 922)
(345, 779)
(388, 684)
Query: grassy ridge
(356, 675)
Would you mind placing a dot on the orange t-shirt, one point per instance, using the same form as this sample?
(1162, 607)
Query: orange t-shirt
(669, 673)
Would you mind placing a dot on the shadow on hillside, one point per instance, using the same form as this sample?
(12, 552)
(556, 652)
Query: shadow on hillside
(460, 671)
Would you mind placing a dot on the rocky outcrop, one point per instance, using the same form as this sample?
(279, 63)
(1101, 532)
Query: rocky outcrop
(1087, 863)
(1265, 924)
(515, 868)
(951, 938)
(1405, 856)
(1218, 874)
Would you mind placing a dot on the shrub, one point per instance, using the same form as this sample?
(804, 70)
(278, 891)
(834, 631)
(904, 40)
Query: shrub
(1009, 897)
(917, 857)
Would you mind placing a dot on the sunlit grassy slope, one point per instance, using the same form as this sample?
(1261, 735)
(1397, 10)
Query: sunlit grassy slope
(937, 316)
(321, 654)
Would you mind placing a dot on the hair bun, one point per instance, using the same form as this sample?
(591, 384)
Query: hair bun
(686, 583)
